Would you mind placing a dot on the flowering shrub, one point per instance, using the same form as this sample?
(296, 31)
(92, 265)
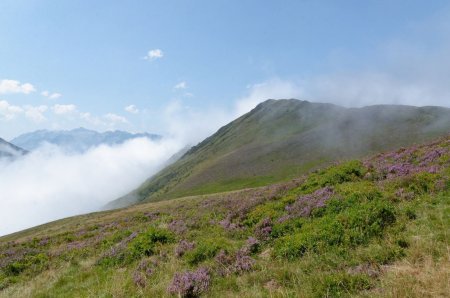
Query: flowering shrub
(139, 279)
(227, 224)
(183, 247)
(263, 229)
(177, 226)
(304, 205)
(252, 245)
(404, 162)
(190, 283)
(144, 270)
(234, 263)
(243, 262)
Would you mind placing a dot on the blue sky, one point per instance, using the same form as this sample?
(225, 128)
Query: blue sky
(65, 64)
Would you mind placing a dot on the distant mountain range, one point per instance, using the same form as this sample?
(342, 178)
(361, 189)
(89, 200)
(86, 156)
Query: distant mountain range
(8, 150)
(281, 139)
(76, 140)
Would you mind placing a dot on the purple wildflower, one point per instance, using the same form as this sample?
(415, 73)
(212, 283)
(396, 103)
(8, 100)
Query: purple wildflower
(263, 229)
(304, 205)
(147, 267)
(243, 262)
(190, 283)
(177, 226)
(183, 247)
(139, 279)
(252, 245)
(227, 224)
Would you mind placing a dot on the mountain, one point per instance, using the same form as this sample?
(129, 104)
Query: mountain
(76, 140)
(376, 227)
(8, 150)
(281, 139)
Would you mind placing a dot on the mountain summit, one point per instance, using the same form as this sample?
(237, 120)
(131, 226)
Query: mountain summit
(77, 140)
(281, 139)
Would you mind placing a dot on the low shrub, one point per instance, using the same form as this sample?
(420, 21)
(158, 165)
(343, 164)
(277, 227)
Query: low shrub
(145, 243)
(190, 283)
(204, 250)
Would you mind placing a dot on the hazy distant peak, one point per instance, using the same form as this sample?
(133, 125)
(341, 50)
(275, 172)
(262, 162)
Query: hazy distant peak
(77, 140)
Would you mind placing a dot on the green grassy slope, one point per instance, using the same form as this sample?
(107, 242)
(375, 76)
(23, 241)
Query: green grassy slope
(372, 228)
(281, 139)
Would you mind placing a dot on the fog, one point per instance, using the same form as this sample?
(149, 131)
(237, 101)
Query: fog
(49, 184)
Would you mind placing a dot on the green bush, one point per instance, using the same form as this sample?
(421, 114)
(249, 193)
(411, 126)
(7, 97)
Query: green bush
(144, 244)
(366, 221)
(268, 210)
(205, 250)
(33, 263)
(345, 172)
(354, 226)
(287, 227)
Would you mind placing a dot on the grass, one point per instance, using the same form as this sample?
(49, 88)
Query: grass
(372, 228)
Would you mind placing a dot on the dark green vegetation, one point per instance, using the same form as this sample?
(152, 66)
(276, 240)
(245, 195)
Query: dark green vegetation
(282, 139)
(372, 228)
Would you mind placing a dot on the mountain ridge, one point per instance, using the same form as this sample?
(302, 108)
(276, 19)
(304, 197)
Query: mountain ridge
(280, 139)
(10, 151)
(77, 140)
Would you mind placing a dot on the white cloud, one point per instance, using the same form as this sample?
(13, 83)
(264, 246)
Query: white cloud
(64, 109)
(8, 111)
(54, 95)
(59, 184)
(85, 116)
(13, 86)
(132, 109)
(180, 85)
(35, 113)
(113, 118)
(154, 54)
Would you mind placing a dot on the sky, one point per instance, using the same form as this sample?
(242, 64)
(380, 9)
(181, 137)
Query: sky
(174, 67)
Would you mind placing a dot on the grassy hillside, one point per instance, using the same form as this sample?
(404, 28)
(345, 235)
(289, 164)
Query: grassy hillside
(282, 139)
(372, 228)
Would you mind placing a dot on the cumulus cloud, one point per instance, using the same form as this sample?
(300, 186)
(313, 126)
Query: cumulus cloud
(36, 113)
(181, 85)
(132, 109)
(55, 95)
(49, 95)
(114, 118)
(8, 111)
(13, 86)
(154, 54)
(48, 183)
(64, 109)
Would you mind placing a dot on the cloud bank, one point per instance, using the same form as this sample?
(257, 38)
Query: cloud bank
(49, 183)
